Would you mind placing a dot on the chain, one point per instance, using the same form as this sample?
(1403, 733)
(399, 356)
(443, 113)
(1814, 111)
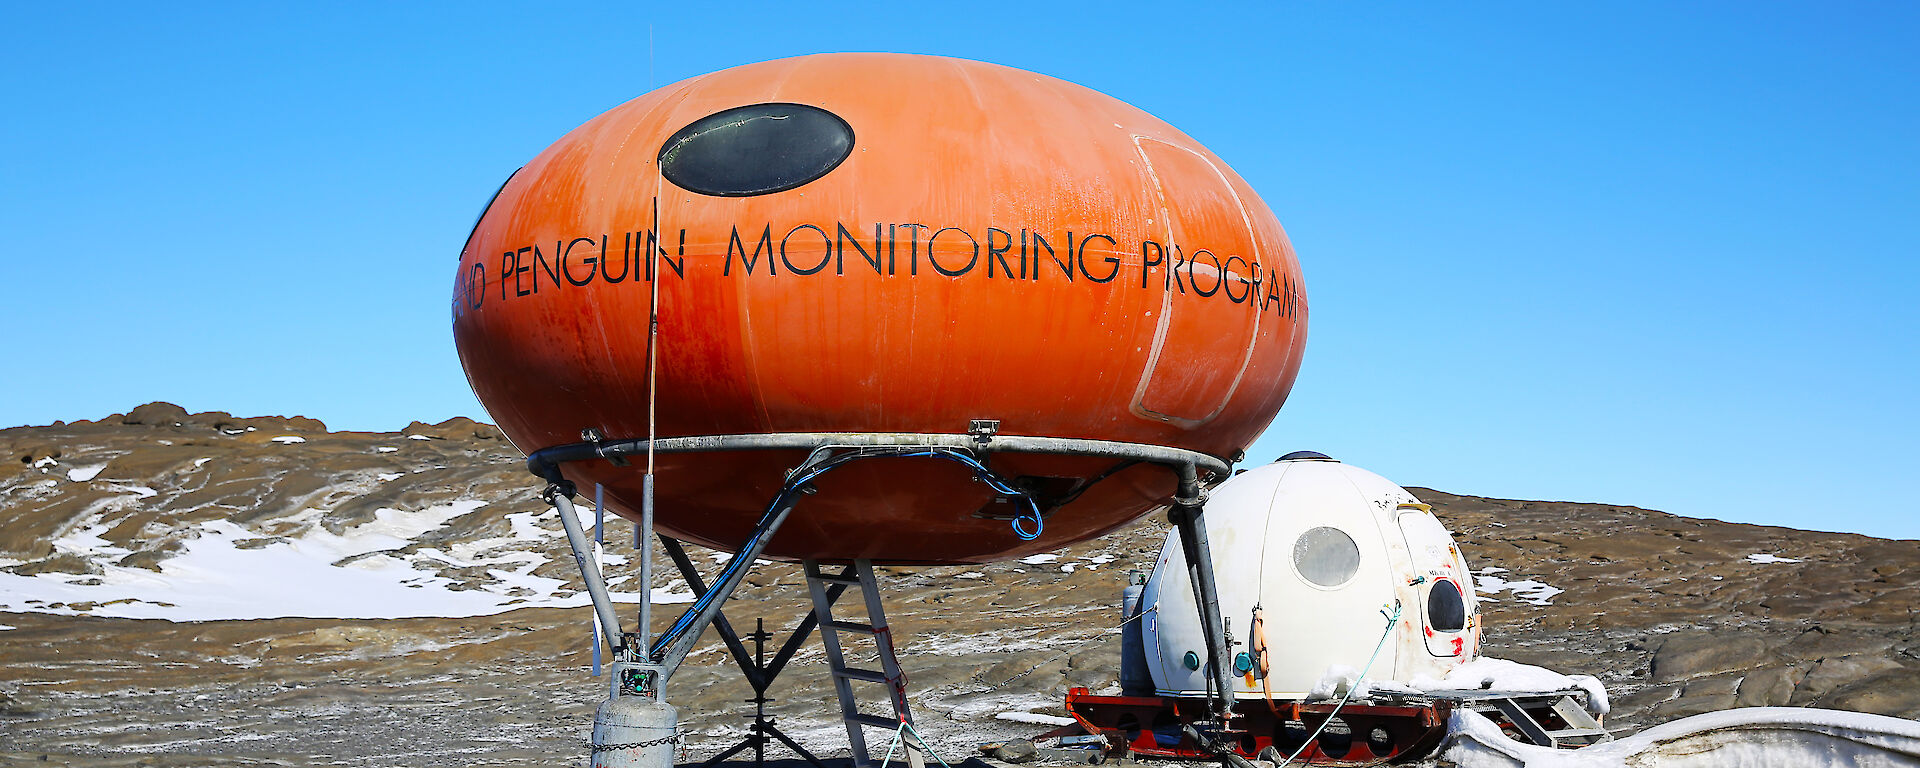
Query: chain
(668, 739)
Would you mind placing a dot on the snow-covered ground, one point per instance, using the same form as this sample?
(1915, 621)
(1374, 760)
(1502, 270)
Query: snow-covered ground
(1486, 585)
(1754, 737)
(1484, 673)
(225, 572)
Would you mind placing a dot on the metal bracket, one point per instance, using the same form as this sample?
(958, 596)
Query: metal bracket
(592, 436)
(1196, 499)
(983, 430)
(636, 679)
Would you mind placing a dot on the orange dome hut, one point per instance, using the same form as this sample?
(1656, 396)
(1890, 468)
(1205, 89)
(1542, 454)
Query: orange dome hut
(880, 243)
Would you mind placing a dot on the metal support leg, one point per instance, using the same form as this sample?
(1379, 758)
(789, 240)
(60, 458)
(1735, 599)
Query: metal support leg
(672, 646)
(589, 573)
(755, 667)
(1186, 515)
(652, 664)
(678, 554)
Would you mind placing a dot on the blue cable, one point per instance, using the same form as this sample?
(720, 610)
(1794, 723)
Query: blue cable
(993, 481)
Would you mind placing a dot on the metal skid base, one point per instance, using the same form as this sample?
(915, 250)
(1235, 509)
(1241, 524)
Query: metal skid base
(1384, 729)
(1159, 726)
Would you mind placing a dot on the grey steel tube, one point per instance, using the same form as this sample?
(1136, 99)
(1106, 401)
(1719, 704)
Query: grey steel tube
(589, 573)
(545, 462)
(677, 646)
(1135, 679)
(1186, 513)
(646, 564)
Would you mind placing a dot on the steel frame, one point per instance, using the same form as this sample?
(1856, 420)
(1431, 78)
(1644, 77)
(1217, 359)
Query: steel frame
(755, 667)
(1375, 733)
(981, 438)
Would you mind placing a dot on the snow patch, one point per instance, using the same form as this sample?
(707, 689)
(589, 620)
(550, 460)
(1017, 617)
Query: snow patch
(357, 573)
(83, 474)
(1762, 558)
(137, 490)
(993, 704)
(289, 439)
(1484, 673)
(1526, 590)
(1039, 559)
(85, 540)
(1034, 717)
(1487, 673)
(667, 595)
(1339, 679)
(385, 449)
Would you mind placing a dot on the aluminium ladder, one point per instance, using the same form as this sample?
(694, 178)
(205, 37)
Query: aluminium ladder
(859, 576)
(1581, 729)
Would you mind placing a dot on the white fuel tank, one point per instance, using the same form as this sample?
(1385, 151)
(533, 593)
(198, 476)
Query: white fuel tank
(1325, 551)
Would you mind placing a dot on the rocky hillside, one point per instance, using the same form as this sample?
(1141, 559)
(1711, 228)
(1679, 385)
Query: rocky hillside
(202, 589)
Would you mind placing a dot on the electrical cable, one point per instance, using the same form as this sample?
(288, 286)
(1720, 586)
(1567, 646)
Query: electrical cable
(1074, 495)
(799, 481)
(900, 740)
(1357, 680)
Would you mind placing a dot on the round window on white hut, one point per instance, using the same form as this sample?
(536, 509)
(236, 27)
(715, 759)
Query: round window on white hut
(1326, 557)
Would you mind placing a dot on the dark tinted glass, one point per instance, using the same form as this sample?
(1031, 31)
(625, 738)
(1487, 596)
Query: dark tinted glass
(1446, 611)
(756, 149)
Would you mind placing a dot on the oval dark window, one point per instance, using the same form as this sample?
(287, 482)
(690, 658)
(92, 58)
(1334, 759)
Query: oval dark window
(1446, 610)
(756, 149)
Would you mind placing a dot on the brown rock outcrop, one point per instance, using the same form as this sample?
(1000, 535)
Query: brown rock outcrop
(1671, 612)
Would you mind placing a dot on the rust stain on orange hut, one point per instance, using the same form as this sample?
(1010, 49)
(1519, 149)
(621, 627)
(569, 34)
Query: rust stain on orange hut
(881, 243)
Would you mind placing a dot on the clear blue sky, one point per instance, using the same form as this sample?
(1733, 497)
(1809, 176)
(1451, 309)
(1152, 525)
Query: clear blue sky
(1650, 254)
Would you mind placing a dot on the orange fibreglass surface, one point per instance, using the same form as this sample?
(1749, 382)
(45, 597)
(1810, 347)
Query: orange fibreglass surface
(1143, 357)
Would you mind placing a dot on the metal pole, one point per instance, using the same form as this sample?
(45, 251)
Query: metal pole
(1186, 513)
(599, 562)
(678, 554)
(645, 542)
(589, 573)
